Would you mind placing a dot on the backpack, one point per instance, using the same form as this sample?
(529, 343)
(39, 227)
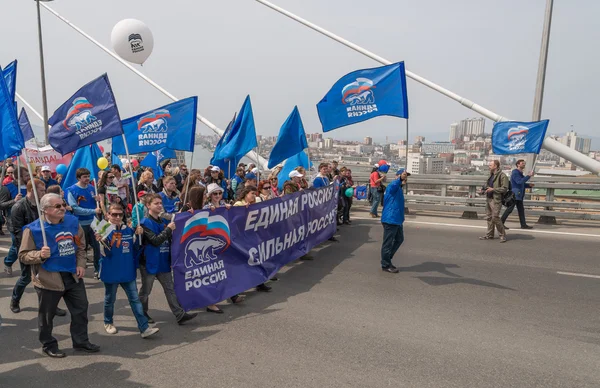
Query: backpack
(508, 198)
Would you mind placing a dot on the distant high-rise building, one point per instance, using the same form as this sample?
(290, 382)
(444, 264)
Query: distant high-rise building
(576, 143)
(439, 147)
(470, 127)
(421, 164)
(259, 137)
(402, 142)
(420, 138)
(454, 132)
(328, 144)
(368, 140)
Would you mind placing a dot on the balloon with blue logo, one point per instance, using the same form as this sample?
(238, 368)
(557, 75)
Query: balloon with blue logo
(61, 169)
(349, 192)
(132, 40)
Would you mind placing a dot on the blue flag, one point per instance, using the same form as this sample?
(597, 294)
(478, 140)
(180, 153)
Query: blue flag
(11, 138)
(300, 159)
(10, 77)
(86, 157)
(25, 125)
(171, 126)
(291, 139)
(516, 137)
(89, 116)
(242, 136)
(151, 160)
(227, 166)
(364, 94)
(165, 153)
(114, 159)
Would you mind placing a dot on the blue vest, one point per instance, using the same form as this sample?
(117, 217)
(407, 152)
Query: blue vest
(61, 241)
(118, 264)
(84, 199)
(158, 259)
(14, 190)
(49, 182)
(169, 203)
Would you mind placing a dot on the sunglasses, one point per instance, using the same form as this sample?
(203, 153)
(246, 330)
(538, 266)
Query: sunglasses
(59, 205)
(218, 193)
(116, 214)
(110, 177)
(10, 172)
(266, 187)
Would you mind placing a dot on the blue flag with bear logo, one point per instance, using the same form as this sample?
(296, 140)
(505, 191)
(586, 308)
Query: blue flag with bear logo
(364, 94)
(87, 117)
(171, 126)
(517, 137)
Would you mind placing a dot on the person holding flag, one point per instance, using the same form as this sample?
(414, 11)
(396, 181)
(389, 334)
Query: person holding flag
(59, 267)
(82, 199)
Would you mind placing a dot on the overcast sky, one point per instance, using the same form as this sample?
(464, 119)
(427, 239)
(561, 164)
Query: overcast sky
(484, 50)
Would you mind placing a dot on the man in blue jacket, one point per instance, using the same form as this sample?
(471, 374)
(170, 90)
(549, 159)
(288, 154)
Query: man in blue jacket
(392, 218)
(519, 183)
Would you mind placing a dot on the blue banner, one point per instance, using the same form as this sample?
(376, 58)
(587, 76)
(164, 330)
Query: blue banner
(89, 116)
(10, 77)
(11, 138)
(364, 94)
(25, 126)
(242, 136)
(217, 254)
(291, 139)
(154, 158)
(171, 126)
(516, 137)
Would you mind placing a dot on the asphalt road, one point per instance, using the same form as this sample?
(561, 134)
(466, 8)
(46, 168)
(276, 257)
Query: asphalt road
(462, 313)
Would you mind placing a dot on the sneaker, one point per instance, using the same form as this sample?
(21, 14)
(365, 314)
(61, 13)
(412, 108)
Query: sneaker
(110, 328)
(502, 239)
(526, 227)
(96, 276)
(150, 331)
(14, 307)
(263, 288)
(486, 238)
(7, 270)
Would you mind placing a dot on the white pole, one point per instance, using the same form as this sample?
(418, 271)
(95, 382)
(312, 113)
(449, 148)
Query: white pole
(135, 198)
(37, 200)
(252, 155)
(549, 143)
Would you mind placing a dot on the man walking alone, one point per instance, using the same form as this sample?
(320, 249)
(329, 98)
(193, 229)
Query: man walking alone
(495, 188)
(518, 181)
(392, 218)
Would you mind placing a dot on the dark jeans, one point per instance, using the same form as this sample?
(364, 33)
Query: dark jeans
(376, 195)
(166, 281)
(22, 282)
(90, 239)
(11, 257)
(393, 237)
(76, 299)
(520, 209)
(110, 295)
(346, 211)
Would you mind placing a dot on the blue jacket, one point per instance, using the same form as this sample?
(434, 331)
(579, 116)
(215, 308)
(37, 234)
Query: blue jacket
(393, 204)
(118, 263)
(519, 183)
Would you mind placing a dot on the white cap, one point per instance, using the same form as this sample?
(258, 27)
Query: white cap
(376, 165)
(215, 168)
(46, 168)
(294, 174)
(213, 187)
(255, 170)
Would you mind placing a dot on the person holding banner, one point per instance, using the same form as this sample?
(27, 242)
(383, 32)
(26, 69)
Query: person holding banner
(495, 187)
(157, 259)
(59, 268)
(120, 251)
(322, 180)
(170, 195)
(81, 198)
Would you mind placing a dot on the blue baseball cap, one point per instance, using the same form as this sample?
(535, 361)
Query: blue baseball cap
(250, 176)
(399, 172)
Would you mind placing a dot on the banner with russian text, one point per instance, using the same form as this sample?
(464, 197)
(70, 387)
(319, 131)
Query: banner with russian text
(45, 156)
(217, 254)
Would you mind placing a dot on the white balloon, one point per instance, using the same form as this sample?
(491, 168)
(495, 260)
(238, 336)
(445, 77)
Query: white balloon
(132, 40)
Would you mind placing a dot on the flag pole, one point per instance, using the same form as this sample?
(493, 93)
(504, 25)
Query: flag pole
(37, 200)
(135, 198)
(406, 164)
(187, 181)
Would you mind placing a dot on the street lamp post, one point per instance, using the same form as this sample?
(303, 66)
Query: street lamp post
(42, 71)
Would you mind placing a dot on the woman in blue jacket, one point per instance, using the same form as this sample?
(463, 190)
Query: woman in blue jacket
(118, 263)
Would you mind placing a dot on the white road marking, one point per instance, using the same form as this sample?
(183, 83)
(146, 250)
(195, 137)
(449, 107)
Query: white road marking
(485, 227)
(582, 275)
(4, 249)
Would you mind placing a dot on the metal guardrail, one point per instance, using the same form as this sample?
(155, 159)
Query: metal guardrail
(459, 193)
